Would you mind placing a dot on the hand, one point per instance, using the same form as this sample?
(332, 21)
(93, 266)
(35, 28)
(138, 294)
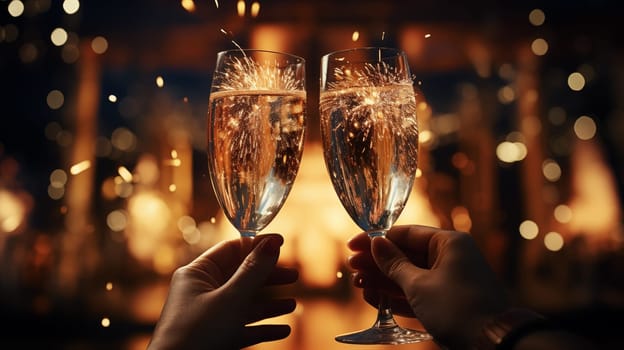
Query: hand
(437, 276)
(213, 298)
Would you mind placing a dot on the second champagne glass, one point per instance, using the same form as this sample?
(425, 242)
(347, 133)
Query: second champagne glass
(370, 143)
(256, 127)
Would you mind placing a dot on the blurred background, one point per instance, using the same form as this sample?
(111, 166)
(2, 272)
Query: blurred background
(103, 177)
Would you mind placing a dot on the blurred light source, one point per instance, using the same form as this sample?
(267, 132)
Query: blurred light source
(537, 17)
(160, 82)
(553, 241)
(240, 8)
(99, 44)
(506, 94)
(255, 9)
(12, 211)
(105, 322)
(55, 99)
(563, 214)
(585, 128)
(123, 139)
(16, 8)
(557, 115)
(58, 37)
(528, 229)
(188, 5)
(80, 167)
(539, 47)
(576, 81)
(58, 178)
(355, 36)
(117, 220)
(71, 6)
(510, 152)
(112, 98)
(551, 170)
(28, 53)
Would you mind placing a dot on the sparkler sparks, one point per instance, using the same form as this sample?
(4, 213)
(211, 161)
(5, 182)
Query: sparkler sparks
(244, 73)
(80, 167)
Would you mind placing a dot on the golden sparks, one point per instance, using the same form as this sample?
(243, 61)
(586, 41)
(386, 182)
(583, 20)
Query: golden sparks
(80, 167)
(188, 5)
(160, 82)
(125, 174)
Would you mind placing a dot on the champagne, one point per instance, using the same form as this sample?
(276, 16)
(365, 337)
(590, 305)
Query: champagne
(254, 151)
(370, 140)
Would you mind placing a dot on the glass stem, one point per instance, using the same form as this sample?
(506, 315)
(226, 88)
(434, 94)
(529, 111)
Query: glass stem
(384, 314)
(246, 245)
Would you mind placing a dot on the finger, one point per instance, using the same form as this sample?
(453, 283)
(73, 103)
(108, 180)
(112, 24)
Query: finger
(399, 305)
(362, 261)
(282, 275)
(394, 264)
(254, 271)
(262, 333)
(271, 308)
(359, 242)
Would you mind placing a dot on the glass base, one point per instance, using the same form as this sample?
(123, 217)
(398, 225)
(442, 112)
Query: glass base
(385, 335)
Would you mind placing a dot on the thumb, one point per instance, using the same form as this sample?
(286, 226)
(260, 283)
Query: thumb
(257, 266)
(393, 263)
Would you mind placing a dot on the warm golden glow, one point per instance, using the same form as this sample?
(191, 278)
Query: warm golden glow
(240, 8)
(123, 139)
(585, 128)
(553, 241)
(563, 214)
(105, 322)
(160, 82)
(576, 81)
(112, 98)
(355, 36)
(71, 6)
(117, 220)
(16, 8)
(80, 167)
(255, 9)
(551, 170)
(188, 5)
(528, 229)
(55, 99)
(58, 37)
(537, 17)
(510, 152)
(109, 286)
(99, 45)
(125, 174)
(506, 94)
(539, 47)
(427, 36)
(58, 178)
(12, 211)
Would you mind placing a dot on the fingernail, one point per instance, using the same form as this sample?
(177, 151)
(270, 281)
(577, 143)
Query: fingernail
(271, 245)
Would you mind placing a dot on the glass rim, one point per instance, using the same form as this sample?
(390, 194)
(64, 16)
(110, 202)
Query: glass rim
(298, 59)
(396, 50)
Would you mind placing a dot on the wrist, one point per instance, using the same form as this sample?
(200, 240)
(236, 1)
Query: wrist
(504, 330)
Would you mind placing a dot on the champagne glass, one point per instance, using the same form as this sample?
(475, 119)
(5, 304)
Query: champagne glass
(256, 126)
(370, 145)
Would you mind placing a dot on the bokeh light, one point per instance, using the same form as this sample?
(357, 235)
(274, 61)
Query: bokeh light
(539, 47)
(553, 241)
(537, 17)
(576, 81)
(551, 170)
(55, 99)
(58, 37)
(71, 6)
(99, 44)
(16, 8)
(528, 229)
(254, 11)
(585, 128)
(563, 214)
